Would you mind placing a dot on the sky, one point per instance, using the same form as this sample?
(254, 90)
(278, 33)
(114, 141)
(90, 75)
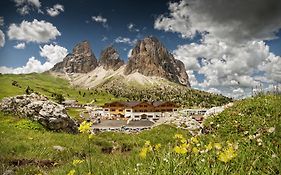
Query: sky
(228, 47)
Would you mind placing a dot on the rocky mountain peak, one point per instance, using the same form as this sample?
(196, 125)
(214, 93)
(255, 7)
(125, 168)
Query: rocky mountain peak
(150, 58)
(82, 48)
(110, 59)
(81, 60)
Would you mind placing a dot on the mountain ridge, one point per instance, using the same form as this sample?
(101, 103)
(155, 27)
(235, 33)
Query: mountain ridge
(149, 60)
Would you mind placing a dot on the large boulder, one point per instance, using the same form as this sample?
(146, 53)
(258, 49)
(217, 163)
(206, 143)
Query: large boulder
(36, 107)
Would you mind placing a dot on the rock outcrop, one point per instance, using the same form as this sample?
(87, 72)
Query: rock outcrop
(81, 60)
(110, 59)
(38, 108)
(150, 58)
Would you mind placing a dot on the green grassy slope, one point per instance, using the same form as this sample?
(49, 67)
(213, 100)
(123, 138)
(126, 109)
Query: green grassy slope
(252, 127)
(47, 85)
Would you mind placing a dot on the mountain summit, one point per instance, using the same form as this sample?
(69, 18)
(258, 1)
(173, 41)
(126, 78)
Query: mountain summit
(81, 60)
(149, 63)
(150, 58)
(110, 59)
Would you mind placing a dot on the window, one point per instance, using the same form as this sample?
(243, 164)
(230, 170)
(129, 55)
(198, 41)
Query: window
(105, 109)
(136, 116)
(128, 110)
(112, 110)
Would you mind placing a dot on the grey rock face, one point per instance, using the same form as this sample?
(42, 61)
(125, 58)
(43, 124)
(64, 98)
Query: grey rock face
(149, 57)
(110, 59)
(38, 108)
(81, 60)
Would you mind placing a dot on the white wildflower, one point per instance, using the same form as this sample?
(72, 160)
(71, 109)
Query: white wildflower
(271, 130)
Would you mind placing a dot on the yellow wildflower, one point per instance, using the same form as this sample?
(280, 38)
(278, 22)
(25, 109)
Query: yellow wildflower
(71, 172)
(209, 146)
(85, 127)
(180, 150)
(157, 146)
(183, 140)
(143, 152)
(227, 154)
(178, 136)
(217, 146)
(194, 140)
(147, 143)
(195, 150)
(77, 161)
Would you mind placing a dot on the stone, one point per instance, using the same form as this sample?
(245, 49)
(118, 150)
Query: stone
(36, 107)
(81, 60)
(59, 148)
(150, 58)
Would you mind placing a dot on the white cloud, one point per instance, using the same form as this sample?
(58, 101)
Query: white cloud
(125, 40)
(104, 38)
(53, 55)
(35, 31)
(33, 65)
(55, 10)
(221, 20)
(2, 39)
(231, 55)
(20, 46)
(132, 27)
(214, 91)
(25, 6)
(100, 19)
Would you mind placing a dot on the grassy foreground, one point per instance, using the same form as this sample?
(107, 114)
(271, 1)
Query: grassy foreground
(244, 139)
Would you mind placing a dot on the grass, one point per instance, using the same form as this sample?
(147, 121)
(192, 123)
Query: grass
(246, 128)
(46, 84)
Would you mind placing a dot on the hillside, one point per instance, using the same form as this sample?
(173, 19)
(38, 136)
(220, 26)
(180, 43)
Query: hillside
(107, 91)
(244, 139)
(50, 86)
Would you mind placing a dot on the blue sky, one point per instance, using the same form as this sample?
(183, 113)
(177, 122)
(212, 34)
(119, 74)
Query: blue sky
(228, 47)
(75, 24)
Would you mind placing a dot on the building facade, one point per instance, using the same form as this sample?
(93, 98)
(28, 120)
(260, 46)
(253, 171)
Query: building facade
(139, 110)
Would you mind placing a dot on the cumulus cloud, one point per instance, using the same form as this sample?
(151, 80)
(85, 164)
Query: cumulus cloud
(2, 39)
(20, 46)
(132, 27)
(55, 10)
(25, 6)
(33, 65)
(232, 53)
(229, 21)
(35, 31)
(125, 40)
(52, 53)
(100, 19)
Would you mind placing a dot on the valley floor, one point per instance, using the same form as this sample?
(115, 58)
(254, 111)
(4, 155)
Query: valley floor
(243, 139)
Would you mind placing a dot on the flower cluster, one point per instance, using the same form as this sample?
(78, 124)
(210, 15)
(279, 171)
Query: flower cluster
(227, 154)
(77, 161)
(85, 127)
(148, 148)
(193, 145)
